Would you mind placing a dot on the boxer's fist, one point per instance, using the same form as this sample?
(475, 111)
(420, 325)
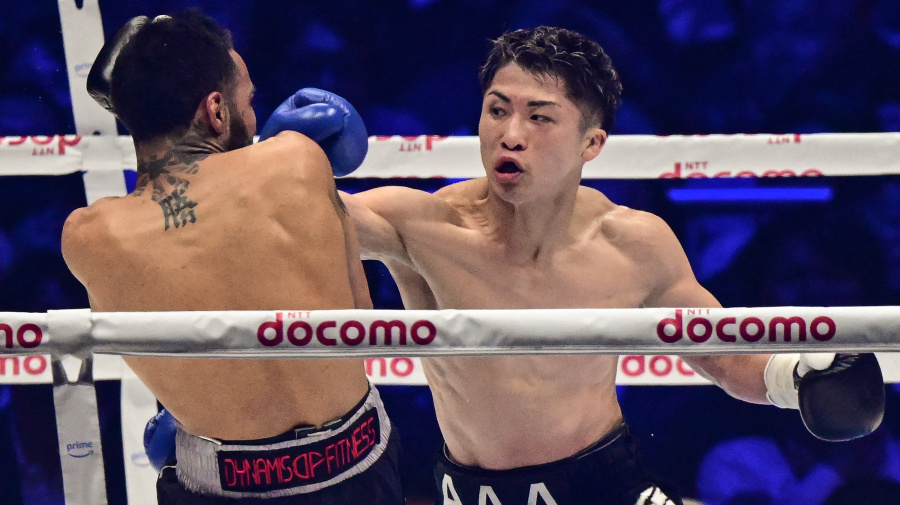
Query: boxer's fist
(840, 396)
(327, 119)
(159, 439)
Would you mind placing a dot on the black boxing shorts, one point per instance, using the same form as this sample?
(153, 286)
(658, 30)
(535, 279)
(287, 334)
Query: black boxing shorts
(353, 459)
(607, 473)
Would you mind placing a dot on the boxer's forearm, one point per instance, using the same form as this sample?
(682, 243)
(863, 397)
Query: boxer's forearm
(740, 375)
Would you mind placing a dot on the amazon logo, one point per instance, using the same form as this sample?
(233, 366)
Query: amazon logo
(80, 449)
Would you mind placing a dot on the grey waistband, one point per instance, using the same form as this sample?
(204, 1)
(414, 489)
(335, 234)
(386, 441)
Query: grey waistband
(200, 459)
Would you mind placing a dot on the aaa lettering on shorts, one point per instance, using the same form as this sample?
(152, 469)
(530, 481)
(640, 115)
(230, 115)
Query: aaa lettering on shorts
(300, 465)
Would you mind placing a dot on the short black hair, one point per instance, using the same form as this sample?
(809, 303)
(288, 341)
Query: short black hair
(165, 71)
(586, 71)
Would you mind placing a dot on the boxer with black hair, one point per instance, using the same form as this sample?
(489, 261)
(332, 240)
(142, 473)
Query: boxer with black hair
(218, 223)
(549, 429)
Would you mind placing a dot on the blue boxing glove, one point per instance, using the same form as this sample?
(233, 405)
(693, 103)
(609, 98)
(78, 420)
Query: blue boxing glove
(840, 396)
(159, 439)
(327, 119)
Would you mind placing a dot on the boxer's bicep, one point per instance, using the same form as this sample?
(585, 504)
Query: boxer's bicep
(361, 297)
(672, 282)
(377, 236)
(414, 289)
(683, 291)
(386, 218)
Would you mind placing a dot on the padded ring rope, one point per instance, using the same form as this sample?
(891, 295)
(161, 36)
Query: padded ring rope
(367, 333)
(624, 157)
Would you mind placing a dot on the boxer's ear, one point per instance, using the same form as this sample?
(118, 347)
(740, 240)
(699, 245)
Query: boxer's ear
(214, 112)
(594, 140)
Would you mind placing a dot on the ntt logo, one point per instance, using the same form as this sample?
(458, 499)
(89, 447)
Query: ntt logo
(751, 329)
(301, 333)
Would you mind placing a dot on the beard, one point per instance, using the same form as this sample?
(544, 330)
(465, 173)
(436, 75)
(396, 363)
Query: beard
(238, 135)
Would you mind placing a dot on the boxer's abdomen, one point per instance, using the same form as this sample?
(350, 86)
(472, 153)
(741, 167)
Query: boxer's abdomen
(512, 411)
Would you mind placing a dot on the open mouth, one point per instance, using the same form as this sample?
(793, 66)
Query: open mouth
(507, 167)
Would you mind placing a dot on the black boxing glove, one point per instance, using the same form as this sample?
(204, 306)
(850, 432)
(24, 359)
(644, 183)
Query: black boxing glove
(840, 396)
(98, 81)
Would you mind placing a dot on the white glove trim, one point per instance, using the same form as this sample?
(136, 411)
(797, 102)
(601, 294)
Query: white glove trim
(779, 377)
(814, 361)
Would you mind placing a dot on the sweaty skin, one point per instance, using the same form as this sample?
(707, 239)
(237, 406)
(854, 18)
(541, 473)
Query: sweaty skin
(255, 228)
(523, 237)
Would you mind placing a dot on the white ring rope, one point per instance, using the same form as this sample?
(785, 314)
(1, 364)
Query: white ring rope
(362, 333)
(624, 157)
(26, 338)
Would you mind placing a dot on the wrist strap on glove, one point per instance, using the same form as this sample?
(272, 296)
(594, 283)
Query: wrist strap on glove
(781, 378)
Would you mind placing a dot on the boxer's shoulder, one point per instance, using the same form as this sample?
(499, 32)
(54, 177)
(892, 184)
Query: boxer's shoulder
(288, 163)
(288, 152)
(405, 207)
(632, 224)
(87, 233)
(463, 201)
(92, 220)
(638, 233)
(469, 191)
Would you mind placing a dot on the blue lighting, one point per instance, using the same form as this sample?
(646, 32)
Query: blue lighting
(751, 195)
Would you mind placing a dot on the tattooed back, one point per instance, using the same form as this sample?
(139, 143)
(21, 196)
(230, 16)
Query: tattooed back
(257, 228)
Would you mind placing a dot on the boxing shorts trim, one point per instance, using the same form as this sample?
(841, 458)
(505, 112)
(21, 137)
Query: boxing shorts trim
(297, 462)
(608, 472)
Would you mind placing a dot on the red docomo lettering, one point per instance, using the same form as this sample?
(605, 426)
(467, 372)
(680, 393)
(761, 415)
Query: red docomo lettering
(351, 333)
(399, 367)
(679, 167)
(660, 366)
(751, 329)
(28, 336)
(33, 365)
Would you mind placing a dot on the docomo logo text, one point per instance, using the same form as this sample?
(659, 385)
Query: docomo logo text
(43, 145)
(696, 170)
(398, 367)
(33, 365)
(659, 366)
(751, 329)
(412, 144)
(27, 336)
(300, 333)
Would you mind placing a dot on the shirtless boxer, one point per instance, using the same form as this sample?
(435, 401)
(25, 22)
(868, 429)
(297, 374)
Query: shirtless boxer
(548, 429)
(215, 223)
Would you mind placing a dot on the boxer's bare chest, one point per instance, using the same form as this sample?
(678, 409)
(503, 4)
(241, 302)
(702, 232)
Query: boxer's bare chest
(467, 269)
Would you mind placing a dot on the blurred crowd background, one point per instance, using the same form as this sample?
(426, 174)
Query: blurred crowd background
(409, 67)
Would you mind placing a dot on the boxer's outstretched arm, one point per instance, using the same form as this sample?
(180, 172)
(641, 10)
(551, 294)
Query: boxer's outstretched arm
(840, 396)
(385, 216)
(740, 375)
(361, 297)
